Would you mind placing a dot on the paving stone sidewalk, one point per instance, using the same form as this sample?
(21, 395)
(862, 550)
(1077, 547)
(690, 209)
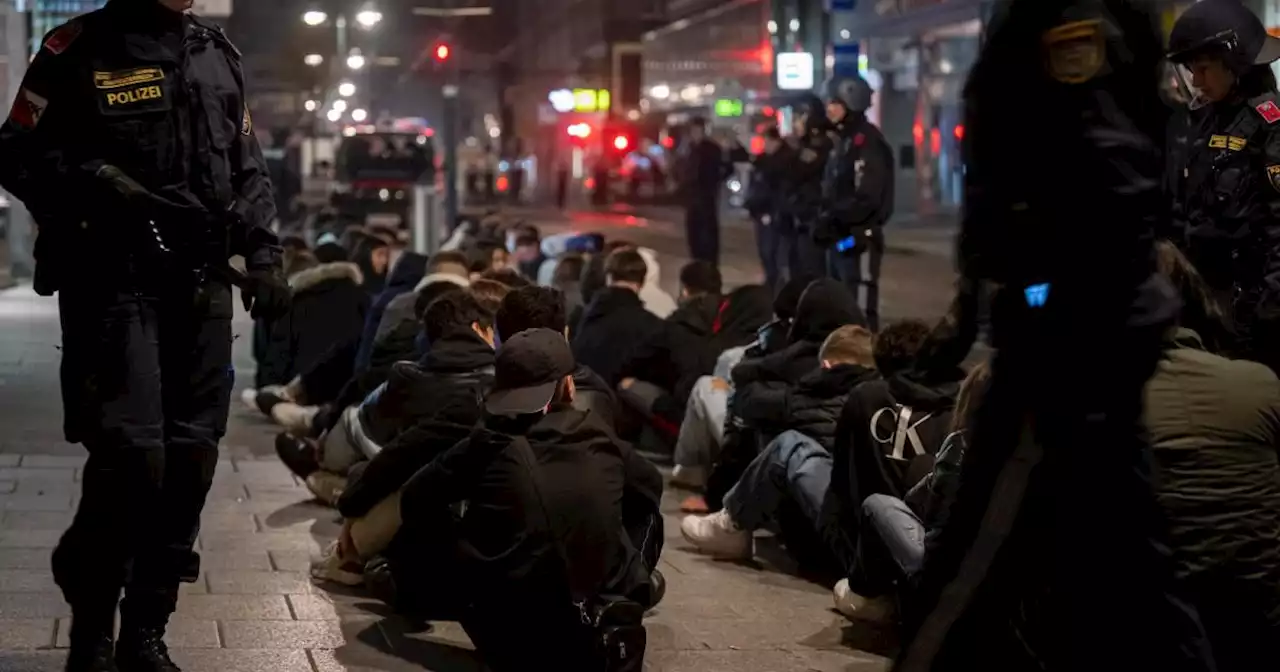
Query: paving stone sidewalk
(254, 609)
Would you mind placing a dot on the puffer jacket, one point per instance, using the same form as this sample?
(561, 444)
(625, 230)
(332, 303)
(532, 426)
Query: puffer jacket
(811, 407)
(328, 311)
(1215, 429)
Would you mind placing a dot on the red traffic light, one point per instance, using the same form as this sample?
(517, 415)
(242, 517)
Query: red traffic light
(621, 143)
(442, 52)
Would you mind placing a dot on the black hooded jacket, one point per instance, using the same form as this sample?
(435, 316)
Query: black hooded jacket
(423, 410)
(328, 311)
(888, 434)
(614, 326)
(567, 487)
(826, 305)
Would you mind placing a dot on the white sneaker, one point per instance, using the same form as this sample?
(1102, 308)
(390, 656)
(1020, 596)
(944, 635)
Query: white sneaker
(717, 535)
(250, 398)
(278, 390)
(692, 478)
(858, 608)
(334, 569)
(293, 418)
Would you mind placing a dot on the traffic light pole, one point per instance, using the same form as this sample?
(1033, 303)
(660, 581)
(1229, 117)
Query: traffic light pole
(450, 138)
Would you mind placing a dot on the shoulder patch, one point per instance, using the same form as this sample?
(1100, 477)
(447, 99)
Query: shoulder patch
(62, 37)
(27, 109)
(1075, 52)
(1269, 111)
(1273, 174)
(246, 124)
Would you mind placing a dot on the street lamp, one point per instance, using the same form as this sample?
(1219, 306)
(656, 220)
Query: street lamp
(314, 17)
(334, 116)
(358, 115)
(346, 89)
(313, 60)
(356, 60)
(368, 17)
(340, 106)
(311, 105)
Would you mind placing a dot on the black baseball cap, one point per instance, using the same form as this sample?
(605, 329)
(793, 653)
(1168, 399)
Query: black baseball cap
(526, 371)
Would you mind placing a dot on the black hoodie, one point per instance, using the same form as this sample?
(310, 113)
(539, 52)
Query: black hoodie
(824, 306)
(424, 408)
(568, 487)
(887, 436)
(328, 311)
(613, 327)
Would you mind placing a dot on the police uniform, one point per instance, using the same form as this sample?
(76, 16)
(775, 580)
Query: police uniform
(131, 144)
(1224, 181)
(857, 191)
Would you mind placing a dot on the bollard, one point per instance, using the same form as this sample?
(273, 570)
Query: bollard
(424, 220)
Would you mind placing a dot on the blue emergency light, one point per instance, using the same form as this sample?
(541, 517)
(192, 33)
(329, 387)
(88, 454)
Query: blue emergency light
(1037, 295)
(846, 244)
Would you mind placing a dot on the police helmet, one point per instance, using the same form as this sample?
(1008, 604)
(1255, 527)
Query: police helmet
(1226, 27)
(854, 92)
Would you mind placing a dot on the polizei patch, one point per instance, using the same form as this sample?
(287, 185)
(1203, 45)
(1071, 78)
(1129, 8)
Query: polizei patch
(1075, 52)
(132, 98)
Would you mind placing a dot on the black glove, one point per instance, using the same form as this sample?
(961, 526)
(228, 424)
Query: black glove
(266, 294)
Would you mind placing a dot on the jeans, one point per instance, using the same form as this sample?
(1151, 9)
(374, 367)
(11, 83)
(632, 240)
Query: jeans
(891, 546)
(702, 432)
(793, 467)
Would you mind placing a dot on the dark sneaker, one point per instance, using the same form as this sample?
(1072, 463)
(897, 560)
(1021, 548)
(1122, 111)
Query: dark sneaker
(91, 655)
(143, 650)
(657, 588)
(297, 455)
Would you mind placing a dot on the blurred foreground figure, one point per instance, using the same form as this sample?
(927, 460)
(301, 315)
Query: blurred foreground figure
(1051, 559)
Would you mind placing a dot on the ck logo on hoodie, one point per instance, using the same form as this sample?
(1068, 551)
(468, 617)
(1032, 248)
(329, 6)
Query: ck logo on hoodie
(896, 426)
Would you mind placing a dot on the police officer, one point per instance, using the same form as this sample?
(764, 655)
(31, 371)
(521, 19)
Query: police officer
(703, 170)
(804, 187)
(857, 192)
(131, 145)
(1224, 167)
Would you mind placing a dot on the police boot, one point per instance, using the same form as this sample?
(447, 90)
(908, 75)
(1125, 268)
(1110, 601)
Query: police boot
(91, 644)
(141, 648)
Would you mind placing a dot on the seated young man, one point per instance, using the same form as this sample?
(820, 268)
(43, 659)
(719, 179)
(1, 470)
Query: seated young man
(891, 541)
(444, 385)
(823, 306)
(540, 507)
(795, 468)
(659, 376)
(543, 308)
(616, 323)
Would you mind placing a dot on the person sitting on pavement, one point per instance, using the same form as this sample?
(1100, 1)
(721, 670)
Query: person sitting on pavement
(701, 432)
(567, 277)
(890, 429)
(557, 510)
(462, 328)
(329, 310)
(405, 270)
(824, 306)
(487, 255)
(616, 322)
(788, 481)
(891, 539)
(659, 376)
(1214, 425)
(543, 308)
(442, 266)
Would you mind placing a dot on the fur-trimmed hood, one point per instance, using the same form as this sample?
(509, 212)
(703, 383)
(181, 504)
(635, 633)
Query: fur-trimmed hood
(337, 270)
(433, 278)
